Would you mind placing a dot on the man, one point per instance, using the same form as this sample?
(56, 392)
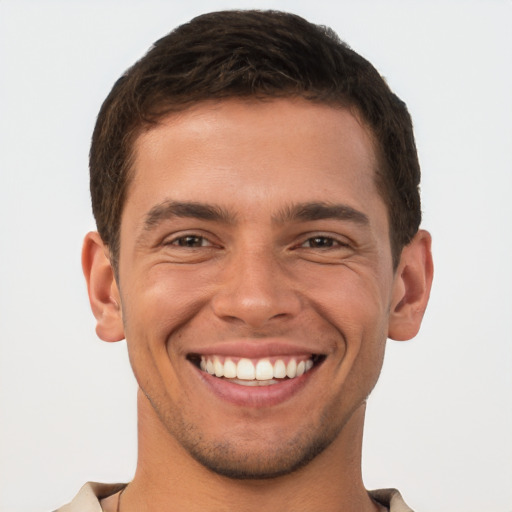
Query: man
(255, 187)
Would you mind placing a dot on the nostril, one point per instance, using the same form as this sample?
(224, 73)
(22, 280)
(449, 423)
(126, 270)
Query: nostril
(255, 294)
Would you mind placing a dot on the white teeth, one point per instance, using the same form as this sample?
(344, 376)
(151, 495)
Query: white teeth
(264, 370)
(229, 369)
(280, 369)
(219, 367)
(261, 373)
(291, 369)
(245, 370)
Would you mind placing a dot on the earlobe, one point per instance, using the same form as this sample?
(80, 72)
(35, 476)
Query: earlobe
(102, 288)
(411, 292)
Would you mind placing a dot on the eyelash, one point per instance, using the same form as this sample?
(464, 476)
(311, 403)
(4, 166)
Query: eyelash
(176, 242)
(333, 242)
(326, 242)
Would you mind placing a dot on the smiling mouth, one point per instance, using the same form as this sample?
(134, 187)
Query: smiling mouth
(256, 372)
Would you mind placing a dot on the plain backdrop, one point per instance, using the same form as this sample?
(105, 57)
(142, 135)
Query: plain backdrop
(439, 423)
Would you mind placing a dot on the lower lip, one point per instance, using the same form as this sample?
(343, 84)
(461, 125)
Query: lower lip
(255, 396)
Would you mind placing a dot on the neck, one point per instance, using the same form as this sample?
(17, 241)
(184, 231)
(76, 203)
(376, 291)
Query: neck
(168, 478)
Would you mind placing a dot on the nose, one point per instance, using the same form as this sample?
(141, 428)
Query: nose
(256, 289)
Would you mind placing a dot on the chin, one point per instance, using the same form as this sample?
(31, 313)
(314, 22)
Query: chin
(235, 464)
(262, 456)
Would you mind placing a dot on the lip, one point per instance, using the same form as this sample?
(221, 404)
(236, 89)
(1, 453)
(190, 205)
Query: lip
(254, 396)
(256, 349)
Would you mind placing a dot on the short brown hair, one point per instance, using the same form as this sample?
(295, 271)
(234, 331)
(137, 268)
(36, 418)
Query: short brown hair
(260, 54)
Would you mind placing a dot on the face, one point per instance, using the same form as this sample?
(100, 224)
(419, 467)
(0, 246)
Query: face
(255, 279)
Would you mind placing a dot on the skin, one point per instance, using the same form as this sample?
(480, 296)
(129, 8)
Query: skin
(260, 275)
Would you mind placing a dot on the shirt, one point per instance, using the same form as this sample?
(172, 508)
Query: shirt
(89, 496)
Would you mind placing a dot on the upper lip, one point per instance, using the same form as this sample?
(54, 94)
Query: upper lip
(256, 349)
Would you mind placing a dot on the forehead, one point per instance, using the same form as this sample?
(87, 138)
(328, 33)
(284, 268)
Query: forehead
(274, 143)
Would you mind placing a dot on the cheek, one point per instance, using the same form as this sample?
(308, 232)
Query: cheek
(349, 296)
(154, 311)
(356, 307)
(164, 299)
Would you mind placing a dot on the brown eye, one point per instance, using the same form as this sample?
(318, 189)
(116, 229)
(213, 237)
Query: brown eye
(190, 241)
(321, 242)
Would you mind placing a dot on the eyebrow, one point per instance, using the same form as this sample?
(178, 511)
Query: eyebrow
(185, 209)
(310, 211)
(321, 211)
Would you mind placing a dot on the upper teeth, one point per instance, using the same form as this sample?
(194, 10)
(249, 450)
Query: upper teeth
(261, 369)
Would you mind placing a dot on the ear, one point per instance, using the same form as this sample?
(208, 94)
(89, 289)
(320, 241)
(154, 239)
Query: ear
(102, 288)
(411, 289)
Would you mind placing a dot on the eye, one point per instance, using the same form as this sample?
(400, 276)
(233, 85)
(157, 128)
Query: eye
(322, 242)
(191, 241)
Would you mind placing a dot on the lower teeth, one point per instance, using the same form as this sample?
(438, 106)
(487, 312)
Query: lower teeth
(253, 382)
